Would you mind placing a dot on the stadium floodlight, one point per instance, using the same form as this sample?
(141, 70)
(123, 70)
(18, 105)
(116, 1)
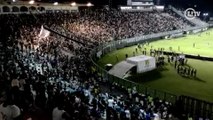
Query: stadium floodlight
(89, 4)
(55, 3)
(73, 4)
(31, 2)
(205, 14)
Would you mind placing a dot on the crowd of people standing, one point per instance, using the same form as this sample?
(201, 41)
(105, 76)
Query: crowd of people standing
(38, 74)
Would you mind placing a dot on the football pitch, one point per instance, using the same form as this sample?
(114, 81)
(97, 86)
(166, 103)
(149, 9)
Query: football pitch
(167, 79)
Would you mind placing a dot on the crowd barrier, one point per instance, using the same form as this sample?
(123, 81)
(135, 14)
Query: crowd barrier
(196, 108)
(211, 25)
(193, 56)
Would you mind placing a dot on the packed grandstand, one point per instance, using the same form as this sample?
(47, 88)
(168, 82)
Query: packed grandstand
(52, 75)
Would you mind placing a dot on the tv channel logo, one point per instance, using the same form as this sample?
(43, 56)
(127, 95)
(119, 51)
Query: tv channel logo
(191, 13)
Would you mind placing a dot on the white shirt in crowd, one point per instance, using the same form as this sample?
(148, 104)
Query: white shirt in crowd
(9, 112)
(137, 99)
(134, 90)
(86, 93)
(14, 83)
(22, 82)
(200, 118)
(77, 100)
(57, 114)
(127, 114)
(110, 102)
(156, 116)
(34, 94)
(142, 114)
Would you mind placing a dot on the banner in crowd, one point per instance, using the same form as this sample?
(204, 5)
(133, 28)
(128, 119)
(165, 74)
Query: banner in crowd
(43, 33)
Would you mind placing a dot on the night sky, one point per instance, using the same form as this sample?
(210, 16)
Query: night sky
(199, 5)
(202, 5)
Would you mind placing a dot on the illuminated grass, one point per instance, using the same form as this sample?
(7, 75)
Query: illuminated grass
(168, 79)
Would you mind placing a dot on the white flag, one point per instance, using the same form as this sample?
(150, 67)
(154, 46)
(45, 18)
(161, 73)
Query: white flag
(43, 33)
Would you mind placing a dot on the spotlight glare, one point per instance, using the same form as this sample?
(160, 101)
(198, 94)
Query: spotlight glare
(89, 4)
(55, 3)
(31, 2)
(73, 4)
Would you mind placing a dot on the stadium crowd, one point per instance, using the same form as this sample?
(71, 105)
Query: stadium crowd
(37, 74)
(103, 25)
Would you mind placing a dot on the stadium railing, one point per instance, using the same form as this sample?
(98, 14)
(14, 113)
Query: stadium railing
(196, 108)
(211, 25)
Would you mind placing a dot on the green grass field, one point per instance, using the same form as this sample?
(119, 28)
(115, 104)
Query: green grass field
(167, 78)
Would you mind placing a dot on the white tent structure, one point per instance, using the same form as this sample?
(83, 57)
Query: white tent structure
(143, 63)
(121, 69)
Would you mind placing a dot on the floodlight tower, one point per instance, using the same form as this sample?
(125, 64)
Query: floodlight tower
(205, 15)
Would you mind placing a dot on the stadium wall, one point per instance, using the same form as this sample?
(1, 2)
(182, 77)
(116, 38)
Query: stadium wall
(193, 56)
